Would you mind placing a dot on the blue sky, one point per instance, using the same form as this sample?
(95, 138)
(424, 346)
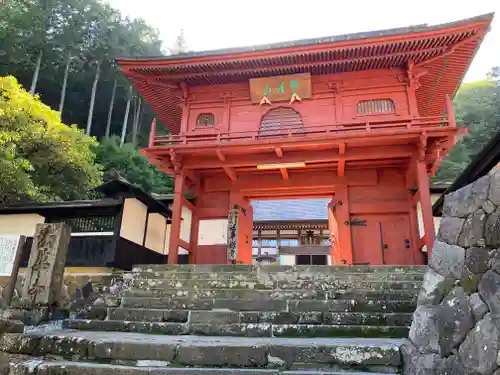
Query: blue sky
(210, 24)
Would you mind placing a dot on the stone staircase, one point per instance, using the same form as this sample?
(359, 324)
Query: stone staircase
(232, 319)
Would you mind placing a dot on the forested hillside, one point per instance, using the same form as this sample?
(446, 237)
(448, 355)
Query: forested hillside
(477, 108)
(63, 51)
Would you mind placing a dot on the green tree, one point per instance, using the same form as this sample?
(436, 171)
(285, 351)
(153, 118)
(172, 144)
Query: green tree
(131, 165)
(40, 157)
(477, 108)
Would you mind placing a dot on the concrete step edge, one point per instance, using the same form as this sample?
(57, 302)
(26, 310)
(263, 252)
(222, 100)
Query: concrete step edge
(155, 368)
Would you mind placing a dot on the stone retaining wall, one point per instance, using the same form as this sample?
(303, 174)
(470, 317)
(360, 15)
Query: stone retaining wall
(456, 326)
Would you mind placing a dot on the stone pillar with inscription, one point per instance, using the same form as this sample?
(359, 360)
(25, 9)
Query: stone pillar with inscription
(44, 276)
(41, 293)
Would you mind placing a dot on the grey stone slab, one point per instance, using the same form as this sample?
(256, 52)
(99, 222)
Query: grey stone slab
(149, 315)
(44, 275)
(424, 332)
(238, 329)
(214, 317)
(494, 191)
(370, 319)
(476, 259)
(468, 199)
(315, 330)
(434, 288)
(455, 320)
(160, 328)
(222, 355)
(129, 350)
(478, 352)
(489, 290)
(492, 229)
(488, 206)
(451, 366)
(472, 233)
(283, 317)
(478, 307)
(251, 305)
(449, 229)
(447, 260)
(353, 306)
(416, 363)
(168, 303)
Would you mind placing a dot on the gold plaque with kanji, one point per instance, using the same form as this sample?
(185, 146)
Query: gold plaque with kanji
(281, 88)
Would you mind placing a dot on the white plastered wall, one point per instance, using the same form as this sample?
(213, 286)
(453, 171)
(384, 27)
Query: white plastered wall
(212, 232)
(133, 221)
(155, 234)
(437, 220)
(186, 222)
(287, 260)
(20, 224)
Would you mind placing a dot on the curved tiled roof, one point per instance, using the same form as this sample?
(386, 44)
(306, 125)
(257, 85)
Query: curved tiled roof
(445, 51)
(291, 209)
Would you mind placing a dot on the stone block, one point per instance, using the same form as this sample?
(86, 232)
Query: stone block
(470, 281)
(451, 366)
(447, 260)
(45, 272)
(494, 190)
(130, 350)
(449, 229)
(489, 290)
(478, 307)
(251, 305)
(416, 363)
(434, 288)
(238, 329)
(492, 229)
(488, 206)
(473, 230)
(455, 320)
(424, 329)
(478, 352)
(494, 261)
(214, 317)
(468, 199)
(222, 355)
(476, 259)
(11, 326)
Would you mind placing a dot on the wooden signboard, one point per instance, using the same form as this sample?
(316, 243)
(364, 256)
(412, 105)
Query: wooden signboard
(281, 88)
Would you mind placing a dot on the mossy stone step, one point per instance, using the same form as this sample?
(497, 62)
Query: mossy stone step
(238, 329)
(228, 317)
(46, 367)
(235, 268)
(389, 306)
(289, 353)
(276, 294)
(158, 284)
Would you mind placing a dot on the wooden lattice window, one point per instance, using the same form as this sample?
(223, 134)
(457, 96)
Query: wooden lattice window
(278, 119)
(205, 119)
(375, 106)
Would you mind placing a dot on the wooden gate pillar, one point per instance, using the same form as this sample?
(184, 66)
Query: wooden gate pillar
(425, 204)
(244, 228)
(342, 216)
(175, 229)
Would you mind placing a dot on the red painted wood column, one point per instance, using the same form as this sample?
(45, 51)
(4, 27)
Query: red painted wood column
(425, 204)
(342, 216)
(193, 241)
(175, 228)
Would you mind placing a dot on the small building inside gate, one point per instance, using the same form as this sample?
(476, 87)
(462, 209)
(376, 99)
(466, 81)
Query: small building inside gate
(361, 120)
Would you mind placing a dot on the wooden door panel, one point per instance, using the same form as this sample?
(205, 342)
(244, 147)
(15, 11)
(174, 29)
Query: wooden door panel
(366, 240)
(398, 248)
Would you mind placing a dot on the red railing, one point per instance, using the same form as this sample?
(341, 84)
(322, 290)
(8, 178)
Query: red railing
(298, 131)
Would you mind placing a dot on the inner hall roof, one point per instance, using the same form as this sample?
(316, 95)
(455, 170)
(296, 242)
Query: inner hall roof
(443, 51)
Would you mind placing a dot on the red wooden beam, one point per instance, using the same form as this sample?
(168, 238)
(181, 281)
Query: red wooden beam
(279, 152)
(367, 153)
(230, 173)
(284, 173)
(220, 155)
(341, 166)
